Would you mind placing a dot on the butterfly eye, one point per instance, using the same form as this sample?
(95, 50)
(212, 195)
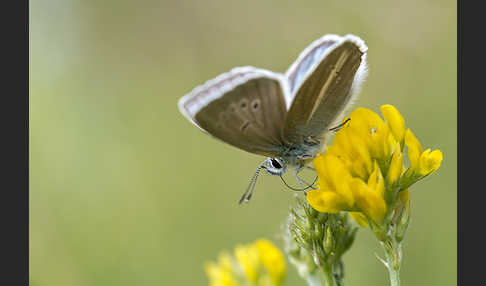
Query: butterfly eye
(275, 164)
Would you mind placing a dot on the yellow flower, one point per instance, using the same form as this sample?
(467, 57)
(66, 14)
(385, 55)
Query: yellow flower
(395, 121)
(273, 260)
(396, 167)
(337, 183)
(338, 190)
(249, 259)
(221, 274)
(259, 263)
(429, 162)
(370, 195)
(363, 170)
(414, 149)
(422, 162)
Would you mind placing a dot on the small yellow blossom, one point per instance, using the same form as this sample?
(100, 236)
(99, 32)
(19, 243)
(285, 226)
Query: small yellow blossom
(249, 259)
(337, 182)
(221, 274)
(395, 121)
(422, 163)
(369, 195)
(414, 149)
(259, 263)
(396, 167)
(273, 260)
(363, 171)
(429, 162)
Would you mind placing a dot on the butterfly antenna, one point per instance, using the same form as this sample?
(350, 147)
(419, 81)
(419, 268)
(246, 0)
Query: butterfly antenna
(251, 187)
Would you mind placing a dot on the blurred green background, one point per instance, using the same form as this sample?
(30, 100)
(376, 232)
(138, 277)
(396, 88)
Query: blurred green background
(125, 191)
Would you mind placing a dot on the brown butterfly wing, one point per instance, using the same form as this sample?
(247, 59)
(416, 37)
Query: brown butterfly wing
(307, 59)
(245, 107)
(323, 87)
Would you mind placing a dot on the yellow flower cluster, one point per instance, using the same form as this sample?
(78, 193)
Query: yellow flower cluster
(259, 263)
(363, 170)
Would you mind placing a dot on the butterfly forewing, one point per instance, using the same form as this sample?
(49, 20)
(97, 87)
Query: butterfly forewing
(245, 108)
(325, 79)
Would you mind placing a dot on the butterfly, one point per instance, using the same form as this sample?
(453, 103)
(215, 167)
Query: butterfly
(285, 117)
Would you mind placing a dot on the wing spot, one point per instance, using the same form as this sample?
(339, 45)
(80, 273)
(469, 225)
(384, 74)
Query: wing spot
(244, 103)
(255, 104)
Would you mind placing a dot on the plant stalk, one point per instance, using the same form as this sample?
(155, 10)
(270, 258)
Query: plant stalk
(393, 258)
(329, 279)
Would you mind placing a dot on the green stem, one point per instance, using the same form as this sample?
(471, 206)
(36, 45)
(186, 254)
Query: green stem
(329, 279)
(394, 276)
(393, 257)
(321, 278)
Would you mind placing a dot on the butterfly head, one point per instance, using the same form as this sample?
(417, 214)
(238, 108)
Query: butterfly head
(275, 166)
